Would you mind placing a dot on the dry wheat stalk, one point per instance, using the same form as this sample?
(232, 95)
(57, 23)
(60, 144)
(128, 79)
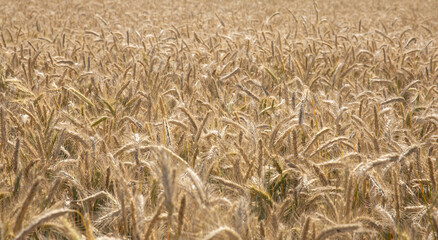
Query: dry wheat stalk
(40, 220)
(339, 229)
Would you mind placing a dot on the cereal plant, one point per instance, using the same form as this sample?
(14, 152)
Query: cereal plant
(196, 119)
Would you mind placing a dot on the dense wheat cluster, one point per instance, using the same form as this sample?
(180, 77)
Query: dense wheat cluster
(229, 120)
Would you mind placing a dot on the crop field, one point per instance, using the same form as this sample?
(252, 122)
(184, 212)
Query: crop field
(145, 119)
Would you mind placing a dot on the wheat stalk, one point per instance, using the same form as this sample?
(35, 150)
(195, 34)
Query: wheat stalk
(25, 205)
(41, 220)
(339, 229)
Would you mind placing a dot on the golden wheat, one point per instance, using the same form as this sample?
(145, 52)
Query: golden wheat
(218, 120)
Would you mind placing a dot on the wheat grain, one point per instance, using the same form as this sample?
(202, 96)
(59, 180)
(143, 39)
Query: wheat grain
(228, 231)
(305, 229)
(153, 221)
(339, 229)
(182, 207)
(40, 220)
(25, 205)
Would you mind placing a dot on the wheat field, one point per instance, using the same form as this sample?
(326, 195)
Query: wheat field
(218, 120)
